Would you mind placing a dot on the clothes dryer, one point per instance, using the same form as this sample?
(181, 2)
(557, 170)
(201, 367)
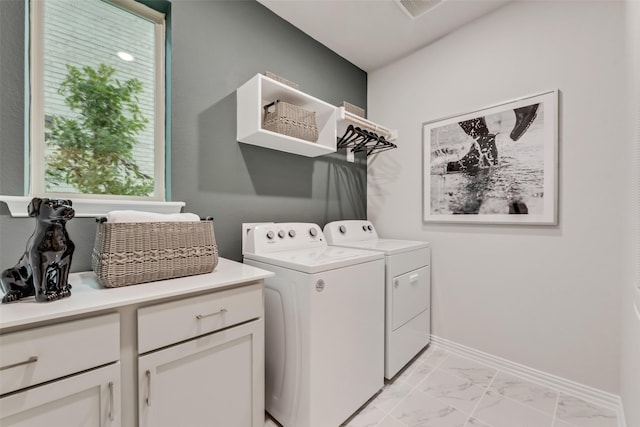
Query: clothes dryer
(407, 288)
(324, 324)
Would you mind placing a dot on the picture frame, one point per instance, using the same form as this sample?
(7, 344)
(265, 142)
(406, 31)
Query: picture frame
(496, 165)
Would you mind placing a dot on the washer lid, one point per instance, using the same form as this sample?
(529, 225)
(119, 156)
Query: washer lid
(387, 246)
(318, 259)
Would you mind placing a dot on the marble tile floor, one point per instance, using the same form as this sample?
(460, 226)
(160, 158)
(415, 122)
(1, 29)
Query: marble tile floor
(441, 389)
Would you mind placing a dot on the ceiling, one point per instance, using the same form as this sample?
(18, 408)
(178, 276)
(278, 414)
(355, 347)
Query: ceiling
(373, 33)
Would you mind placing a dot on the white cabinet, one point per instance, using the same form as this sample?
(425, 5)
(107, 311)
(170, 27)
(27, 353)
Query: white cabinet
(262, 90)
(214, 380)
(216, 376)
(65, 374)
(201, 338)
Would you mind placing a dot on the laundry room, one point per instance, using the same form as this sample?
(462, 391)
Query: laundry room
(554, 301)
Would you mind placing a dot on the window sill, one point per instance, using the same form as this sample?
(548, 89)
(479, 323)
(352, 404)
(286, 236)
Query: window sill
(87, 208)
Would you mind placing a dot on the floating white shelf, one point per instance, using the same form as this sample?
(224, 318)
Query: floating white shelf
(262, 90)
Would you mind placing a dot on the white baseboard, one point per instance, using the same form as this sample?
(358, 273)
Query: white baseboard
(589, 394)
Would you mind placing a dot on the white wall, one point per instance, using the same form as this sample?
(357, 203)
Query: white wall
(630, 362)
(548, 297)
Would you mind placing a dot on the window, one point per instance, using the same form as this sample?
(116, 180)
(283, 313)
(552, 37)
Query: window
(97, 100)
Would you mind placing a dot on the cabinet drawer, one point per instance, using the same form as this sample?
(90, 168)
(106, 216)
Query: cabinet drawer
(171, 322)
(42, 354)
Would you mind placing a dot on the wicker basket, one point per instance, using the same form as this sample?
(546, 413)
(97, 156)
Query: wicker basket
(354, 109)
(291, 120)
(137, 252)
(281, 79)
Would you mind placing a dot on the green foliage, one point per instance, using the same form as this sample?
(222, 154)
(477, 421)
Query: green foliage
(94, 152)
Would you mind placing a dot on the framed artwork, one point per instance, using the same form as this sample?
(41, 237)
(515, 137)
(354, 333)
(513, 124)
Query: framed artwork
(498, 165)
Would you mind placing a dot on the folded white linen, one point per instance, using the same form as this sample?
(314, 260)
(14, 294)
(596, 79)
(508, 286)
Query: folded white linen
(141, 216)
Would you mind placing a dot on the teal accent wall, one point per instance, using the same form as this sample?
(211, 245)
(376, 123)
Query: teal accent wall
(216, 47)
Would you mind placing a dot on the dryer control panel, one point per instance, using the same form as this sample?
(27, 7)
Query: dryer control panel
(338, 232)
(284, 236)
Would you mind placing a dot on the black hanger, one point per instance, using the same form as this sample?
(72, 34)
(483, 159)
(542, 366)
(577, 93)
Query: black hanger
(348, 134)
(384, 146)
(358, 139)
(364, 144)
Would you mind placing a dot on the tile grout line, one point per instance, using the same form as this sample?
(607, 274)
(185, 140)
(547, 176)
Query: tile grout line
(438, 368)
(435, 367)
(555, 410)
(521, 378)
(471, 415)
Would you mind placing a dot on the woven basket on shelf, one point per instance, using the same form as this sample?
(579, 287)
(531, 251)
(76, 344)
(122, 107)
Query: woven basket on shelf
(290, 120)
(281, 79)
(138, 252)
(354, 109)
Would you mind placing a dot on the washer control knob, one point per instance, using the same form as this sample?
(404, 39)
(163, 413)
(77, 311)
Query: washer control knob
(270, 235)
(342, 229)
(313, 232)
(281, 234)
(292, 233)
(364, 227)
(369, 227)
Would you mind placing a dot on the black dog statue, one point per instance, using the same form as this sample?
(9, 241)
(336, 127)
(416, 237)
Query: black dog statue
(43, 270)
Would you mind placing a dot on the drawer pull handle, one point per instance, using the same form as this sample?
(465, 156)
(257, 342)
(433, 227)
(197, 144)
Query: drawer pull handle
(202, 316)
(32, 359)
(111, 401)
(413, 278)
(148, 399)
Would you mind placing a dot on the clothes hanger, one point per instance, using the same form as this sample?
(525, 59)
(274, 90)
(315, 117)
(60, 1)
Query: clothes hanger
(357, 138)
(369, 137)
(348, 134)
(362, 139)
(386, 145)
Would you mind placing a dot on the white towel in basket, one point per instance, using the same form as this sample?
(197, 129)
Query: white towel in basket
(141, 216)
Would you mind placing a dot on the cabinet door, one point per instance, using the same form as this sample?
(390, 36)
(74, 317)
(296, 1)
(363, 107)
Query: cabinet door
(214, 380)
(91, 399)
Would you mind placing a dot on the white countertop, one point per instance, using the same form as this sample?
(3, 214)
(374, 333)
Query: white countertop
(87, 295)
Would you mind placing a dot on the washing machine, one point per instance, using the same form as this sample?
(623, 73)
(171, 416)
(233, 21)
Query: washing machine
(324, 324)
(407, 288)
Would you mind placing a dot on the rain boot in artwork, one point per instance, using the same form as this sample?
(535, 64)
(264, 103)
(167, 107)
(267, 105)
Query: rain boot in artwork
(482, 154)
(524, 118)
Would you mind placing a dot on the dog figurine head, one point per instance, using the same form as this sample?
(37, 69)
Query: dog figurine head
(43, 269)
(51, 210)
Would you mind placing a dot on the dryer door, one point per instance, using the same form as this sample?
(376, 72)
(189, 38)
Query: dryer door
(411, 295)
